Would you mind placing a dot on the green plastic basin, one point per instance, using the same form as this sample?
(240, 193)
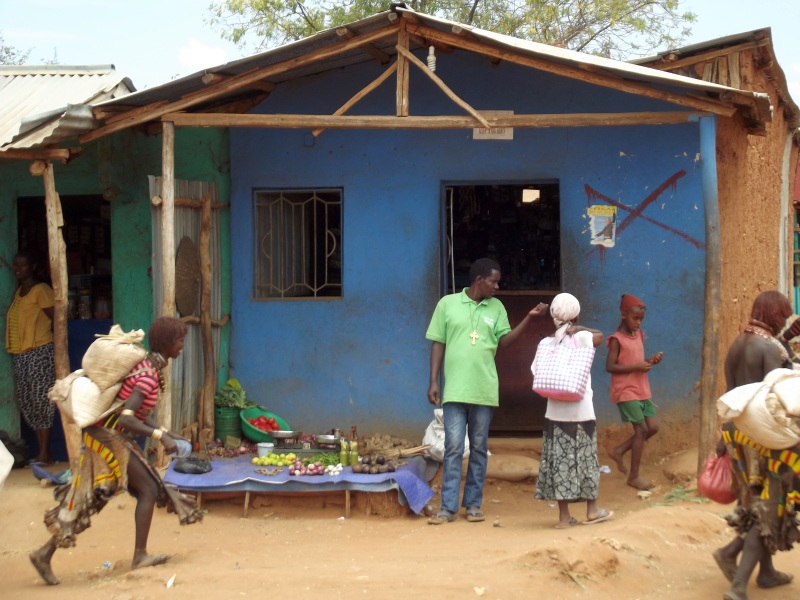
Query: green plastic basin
(254, 433)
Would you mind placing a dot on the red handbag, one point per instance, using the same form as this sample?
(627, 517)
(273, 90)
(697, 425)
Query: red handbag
(714, 481)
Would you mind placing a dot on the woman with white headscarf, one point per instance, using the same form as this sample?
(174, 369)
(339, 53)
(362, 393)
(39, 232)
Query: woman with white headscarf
(569, 470)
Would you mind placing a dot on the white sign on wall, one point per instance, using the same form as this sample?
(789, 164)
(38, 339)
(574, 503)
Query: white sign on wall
(495, 133)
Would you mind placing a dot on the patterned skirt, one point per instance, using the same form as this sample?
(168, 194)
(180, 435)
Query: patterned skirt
(568, 469)
(774, 513)
(102, 473)
(34, 374)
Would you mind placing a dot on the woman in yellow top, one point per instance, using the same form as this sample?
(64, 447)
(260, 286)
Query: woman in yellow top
(29, 340)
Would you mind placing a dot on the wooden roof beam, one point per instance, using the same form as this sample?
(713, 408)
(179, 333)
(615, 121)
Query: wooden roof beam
(668, 65)
(157, 110)
(289, 121)
(378, 55)
(62, 154)
(588, 76)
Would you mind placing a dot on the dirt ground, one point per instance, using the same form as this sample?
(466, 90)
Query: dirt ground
(302, 547)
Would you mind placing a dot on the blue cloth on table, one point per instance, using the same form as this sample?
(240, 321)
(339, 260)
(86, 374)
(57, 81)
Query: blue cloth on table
(239, 475)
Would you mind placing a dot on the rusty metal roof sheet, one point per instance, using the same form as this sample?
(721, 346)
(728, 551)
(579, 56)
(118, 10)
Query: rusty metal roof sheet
(45, 104)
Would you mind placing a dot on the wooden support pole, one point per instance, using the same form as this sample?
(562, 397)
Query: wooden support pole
(167, 262)
(58, 274)
(210, 376)
(709, 378)
(402, 72)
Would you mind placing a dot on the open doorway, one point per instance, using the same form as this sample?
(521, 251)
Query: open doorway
(87, 234)
(518, 225)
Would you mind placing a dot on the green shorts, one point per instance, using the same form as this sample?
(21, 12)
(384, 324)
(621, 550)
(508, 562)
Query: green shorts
(635, 411)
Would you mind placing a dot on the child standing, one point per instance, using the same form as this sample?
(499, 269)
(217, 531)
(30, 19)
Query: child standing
(630, 388)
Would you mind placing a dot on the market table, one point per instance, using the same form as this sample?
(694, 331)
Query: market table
(240, 475)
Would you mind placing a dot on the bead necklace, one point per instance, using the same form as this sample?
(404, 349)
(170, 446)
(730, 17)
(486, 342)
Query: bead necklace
(758, 328)
(159, 363)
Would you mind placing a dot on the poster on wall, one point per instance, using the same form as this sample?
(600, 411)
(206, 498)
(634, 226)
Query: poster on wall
(603, 225)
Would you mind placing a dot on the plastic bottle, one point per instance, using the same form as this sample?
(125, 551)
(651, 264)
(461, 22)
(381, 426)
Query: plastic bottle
(344, 453)
(353, 453)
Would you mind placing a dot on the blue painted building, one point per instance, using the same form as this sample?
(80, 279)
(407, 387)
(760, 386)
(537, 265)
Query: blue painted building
(363, 358)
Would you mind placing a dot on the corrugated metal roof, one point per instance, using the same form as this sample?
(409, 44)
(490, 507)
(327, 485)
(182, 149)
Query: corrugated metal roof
(182, 87)
(42, 104)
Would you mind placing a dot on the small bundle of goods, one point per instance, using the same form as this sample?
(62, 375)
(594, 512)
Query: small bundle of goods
(391, 448)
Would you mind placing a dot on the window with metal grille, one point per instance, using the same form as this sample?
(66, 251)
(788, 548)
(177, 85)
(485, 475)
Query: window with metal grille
(298, 238)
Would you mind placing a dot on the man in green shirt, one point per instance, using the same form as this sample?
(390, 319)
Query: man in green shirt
(465, 331)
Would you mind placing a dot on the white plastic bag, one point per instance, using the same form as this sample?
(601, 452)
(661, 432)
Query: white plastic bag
(434, 435)
(80, 400)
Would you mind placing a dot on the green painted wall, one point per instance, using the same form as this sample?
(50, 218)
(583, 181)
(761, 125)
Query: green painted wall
(116, 167)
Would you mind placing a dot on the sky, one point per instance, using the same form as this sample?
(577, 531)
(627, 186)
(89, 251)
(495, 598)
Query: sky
(155, 41)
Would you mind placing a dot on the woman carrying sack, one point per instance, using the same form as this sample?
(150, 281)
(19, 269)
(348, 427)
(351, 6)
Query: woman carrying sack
(569, 470)
(111, 461)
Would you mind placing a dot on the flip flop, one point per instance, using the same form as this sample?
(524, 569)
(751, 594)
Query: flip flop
(474, 515)
(41, 473)
(572, 521)
(603, 515)
(441, 518)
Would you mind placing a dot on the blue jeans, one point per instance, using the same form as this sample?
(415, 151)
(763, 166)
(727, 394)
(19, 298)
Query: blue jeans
(461, 420)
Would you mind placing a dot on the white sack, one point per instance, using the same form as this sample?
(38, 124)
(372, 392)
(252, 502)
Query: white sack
(434, 435)
(757, 411)
(80, 400)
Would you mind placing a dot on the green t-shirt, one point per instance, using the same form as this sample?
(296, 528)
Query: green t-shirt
(470, 374)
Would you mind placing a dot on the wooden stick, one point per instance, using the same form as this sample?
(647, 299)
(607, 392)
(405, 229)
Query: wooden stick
(355, 99)
(443, 86)
(214, 322)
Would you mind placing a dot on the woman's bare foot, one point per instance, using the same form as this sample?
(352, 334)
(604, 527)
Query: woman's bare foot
(734, 594)
(640, 483)
(726, 564)
(149, 560)
(616, 456)
(41, 562)
(774, 579)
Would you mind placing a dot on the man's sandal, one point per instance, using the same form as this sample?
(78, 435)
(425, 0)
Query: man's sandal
(474, 515)
(441, 518)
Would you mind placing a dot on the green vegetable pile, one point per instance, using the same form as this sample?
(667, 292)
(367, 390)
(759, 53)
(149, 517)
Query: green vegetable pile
(231, 395)
(328, 459)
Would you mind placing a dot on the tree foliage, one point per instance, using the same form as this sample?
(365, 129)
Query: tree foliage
(9, 55)
(618, 29)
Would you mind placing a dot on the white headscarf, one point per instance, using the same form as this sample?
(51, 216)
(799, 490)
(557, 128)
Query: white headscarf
(564, 308)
